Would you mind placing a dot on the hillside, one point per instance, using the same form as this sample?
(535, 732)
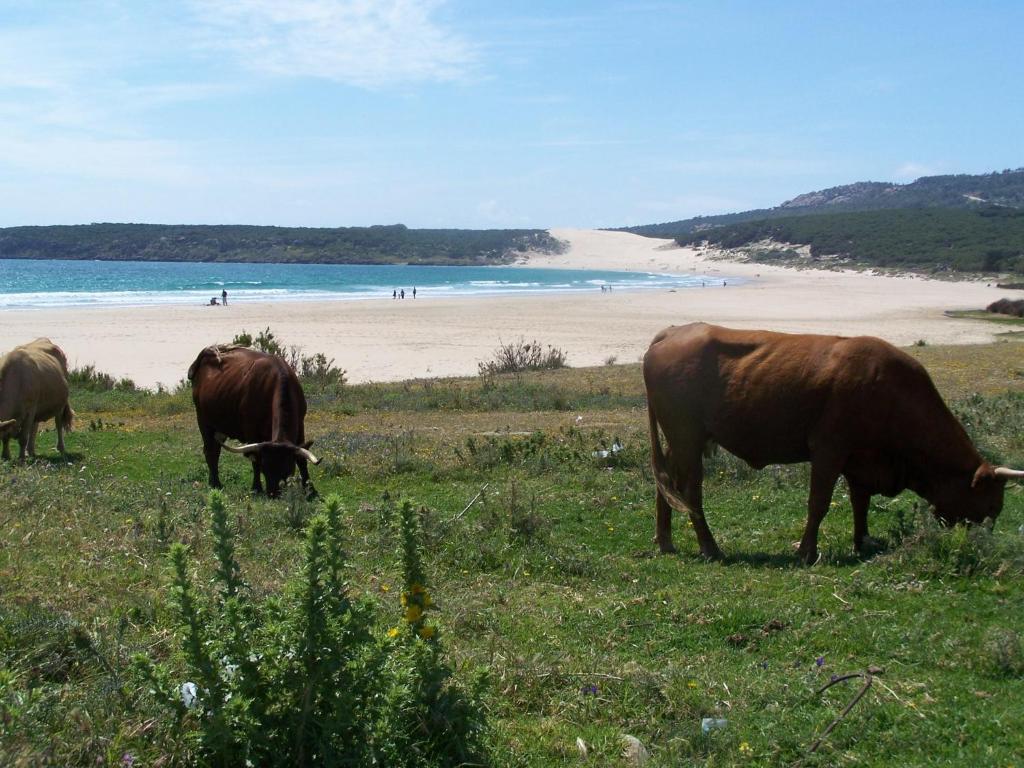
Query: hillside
(990, 239)
(960, 191)
(396, 244)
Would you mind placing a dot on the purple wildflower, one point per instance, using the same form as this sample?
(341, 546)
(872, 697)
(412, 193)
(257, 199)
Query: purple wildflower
(820, 661)
(589, 690)
(127, 760)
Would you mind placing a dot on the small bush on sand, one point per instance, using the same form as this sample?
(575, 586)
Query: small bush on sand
(518, 356)
(87, 377)
(316, 370)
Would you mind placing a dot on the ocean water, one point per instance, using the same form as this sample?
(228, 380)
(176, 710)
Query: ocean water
(26, 284)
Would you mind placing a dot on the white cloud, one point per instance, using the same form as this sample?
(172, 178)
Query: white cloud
(367, 43)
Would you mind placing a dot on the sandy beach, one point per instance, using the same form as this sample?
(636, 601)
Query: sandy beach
(385, 340)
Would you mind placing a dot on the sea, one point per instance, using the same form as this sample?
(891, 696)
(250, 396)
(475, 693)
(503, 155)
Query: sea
(40, 284)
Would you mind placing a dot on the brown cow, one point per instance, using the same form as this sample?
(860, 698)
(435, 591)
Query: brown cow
(33, 388)
(256, 398)
(856, 407)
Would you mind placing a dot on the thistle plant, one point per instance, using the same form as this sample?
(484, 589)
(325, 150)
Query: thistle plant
(302, 679)
(416, 599)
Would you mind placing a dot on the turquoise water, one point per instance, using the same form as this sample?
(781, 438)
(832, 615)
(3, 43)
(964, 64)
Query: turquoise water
(54, 283)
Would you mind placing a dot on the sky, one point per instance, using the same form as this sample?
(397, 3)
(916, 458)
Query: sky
(489, 113)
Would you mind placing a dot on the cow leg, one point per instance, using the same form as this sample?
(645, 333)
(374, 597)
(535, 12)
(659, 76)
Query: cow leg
(689, 480)
(257, 484)
(60, 434)
(859, 500)
(32, 435)
(303, 466)
(693, 495)
(6, 454)
(211, 452)
(824, 474)
(663, 524)
(25, 434)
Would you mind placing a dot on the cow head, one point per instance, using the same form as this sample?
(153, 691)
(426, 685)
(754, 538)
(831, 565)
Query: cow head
(275, 460)
(978, 500)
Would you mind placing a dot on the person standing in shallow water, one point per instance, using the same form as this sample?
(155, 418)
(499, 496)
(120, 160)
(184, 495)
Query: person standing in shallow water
(402, 293)
(414, 291)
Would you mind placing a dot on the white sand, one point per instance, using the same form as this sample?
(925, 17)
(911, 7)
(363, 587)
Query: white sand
(387, 340)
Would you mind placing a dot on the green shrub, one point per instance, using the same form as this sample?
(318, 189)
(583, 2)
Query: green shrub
(87, 377)
(316, 371)
(518, 356)
(306, 678)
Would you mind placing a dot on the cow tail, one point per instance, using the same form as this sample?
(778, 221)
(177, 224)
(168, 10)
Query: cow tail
(666, 486)
(67, 417)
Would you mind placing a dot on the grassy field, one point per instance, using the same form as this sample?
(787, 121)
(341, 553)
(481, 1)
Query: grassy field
(549, 581)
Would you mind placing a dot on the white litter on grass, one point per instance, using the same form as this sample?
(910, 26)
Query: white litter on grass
(709, 724)
(581, 745)
(189, 694)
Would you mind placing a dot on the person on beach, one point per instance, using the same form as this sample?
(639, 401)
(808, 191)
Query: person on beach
(224, 297)
(394, 294)
(213, 301)
(414, 291)
(402, 294)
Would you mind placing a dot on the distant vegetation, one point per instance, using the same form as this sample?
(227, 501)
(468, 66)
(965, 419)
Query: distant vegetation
(963, 191)
(395, 244)
(933, 239)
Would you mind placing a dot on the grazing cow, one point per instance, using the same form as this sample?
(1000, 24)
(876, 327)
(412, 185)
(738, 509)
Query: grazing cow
(856, 407)
(255, 398)
(33, 388)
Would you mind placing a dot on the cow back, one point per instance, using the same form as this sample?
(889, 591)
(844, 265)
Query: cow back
(774, 398)
(33, 379)
(248, 395)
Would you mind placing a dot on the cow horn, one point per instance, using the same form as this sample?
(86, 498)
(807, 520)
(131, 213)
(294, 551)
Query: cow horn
(245, 450)
(9, 423)
(304, 453)
(1007, 472)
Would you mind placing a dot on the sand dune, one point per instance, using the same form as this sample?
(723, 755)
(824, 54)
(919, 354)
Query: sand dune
(383, 340)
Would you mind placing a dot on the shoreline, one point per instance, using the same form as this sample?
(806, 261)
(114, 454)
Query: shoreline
(380, 339)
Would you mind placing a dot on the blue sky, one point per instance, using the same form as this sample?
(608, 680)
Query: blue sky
(489, 113)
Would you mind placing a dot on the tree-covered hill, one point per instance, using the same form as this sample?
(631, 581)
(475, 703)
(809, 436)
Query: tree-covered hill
(960, 191)
(990, 239)
(395, 244)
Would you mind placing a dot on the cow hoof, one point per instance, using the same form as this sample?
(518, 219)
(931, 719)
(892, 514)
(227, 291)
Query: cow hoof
(666, 549)
(809, 557)
(712, 554)
(869, 546)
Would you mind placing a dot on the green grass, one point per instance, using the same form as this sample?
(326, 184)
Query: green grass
(549, 580)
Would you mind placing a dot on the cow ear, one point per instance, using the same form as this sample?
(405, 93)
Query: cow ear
(307, 444)
(985, 472)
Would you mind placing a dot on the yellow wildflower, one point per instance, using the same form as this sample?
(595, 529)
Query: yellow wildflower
(413, 613)
(692, 684)
(385, 587)
(426, 632)
(393, 632)
(745, 748)
(404, 599)
(427, 600)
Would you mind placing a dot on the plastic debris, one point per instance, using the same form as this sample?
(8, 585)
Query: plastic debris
(709, 724)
